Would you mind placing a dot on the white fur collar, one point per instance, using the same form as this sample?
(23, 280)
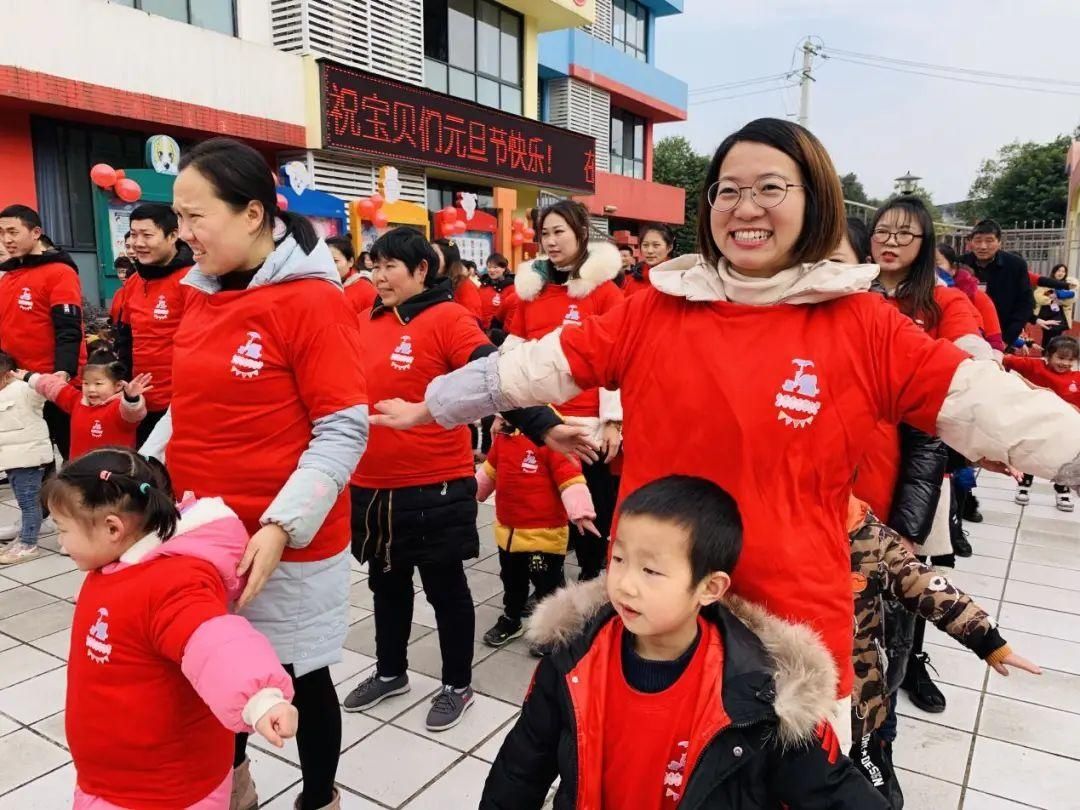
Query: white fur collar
(602, 264)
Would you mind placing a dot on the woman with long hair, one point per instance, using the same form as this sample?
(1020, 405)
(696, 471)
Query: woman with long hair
(451, 267)
(657, 241)
(269, 413)
(759, 366)
(1053, 306)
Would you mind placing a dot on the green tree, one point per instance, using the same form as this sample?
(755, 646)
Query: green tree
(675, 163)
(853, 188)
(1026, 182)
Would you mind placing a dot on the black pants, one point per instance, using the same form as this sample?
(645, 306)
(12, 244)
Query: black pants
(592, 550)
(1060, 489)
(517, 569)
(146, 427)
(318, 737)
(872, 757)
(59, 429)
(448, 592)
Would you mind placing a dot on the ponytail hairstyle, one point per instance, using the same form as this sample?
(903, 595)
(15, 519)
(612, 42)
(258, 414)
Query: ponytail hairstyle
(116, 480)
(916, 292)
(108, 363)
(453, 268)
(240, 175)
(577, 219)
(665, 233)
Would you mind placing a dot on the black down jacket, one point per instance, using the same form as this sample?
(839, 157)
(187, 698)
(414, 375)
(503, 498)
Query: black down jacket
(773, 752)
(918, 487)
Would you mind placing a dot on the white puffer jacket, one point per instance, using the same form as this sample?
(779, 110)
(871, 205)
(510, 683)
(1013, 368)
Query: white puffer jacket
(24, 436)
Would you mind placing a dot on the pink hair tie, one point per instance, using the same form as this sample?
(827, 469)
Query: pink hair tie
(105, 475)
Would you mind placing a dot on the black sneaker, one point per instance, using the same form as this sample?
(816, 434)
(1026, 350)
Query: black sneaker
(374, 691)
(448, 707)
(960, 545)
(504, 631)
(920, 688)
(971, 510)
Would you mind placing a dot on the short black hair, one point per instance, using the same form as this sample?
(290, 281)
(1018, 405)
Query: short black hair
(470, 264)
(109, 363)
(7, 363)
(858, 236)
(986, 226)
(498, 260)
(27, 215)
(707, 512)
(627, 248)
(950, 255)
(127, 235)
(125, 262)
(1065, 344)
(409, 246)
(343, 245)
(160, 214)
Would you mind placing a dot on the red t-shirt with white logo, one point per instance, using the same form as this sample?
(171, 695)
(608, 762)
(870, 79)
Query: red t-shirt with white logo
(94, 426)
(782, 429)
(1035, 369)
(400, 359)
(259, 367)
(153, 309)
(27, 297)
(554, 308)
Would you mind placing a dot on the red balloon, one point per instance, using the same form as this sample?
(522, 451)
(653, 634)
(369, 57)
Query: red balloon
(530, 233)
(367, 209)
(103, 175)
(460, 227)
(128, 190)
(120, 175)
(449, 214)
(377, 200)
(381, 220)
(517, 240)
(518, 224)
(282, 203)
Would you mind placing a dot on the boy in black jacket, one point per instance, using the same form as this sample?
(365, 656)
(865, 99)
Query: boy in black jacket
(659, 695)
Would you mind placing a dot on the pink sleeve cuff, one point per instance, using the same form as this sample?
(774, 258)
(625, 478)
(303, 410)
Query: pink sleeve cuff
(578, 502)
(485, 483)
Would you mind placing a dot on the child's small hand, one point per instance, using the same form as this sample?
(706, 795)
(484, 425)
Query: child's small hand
(138, 386)
(586, 525)
(1014, 660)
(278, 724)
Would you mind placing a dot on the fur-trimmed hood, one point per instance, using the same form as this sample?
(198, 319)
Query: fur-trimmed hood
(803, 673)
(602, 264)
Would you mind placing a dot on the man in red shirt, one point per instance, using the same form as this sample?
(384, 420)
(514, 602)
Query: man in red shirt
(153, 303)
(40, 308)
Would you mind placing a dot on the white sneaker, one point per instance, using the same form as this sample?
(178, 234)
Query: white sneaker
(10, 531)
(1064, 502)
(48, 526)
(1023, 497)
(16, 553)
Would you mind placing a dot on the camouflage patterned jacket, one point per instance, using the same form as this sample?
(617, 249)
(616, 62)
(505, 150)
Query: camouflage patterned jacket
(882, 567)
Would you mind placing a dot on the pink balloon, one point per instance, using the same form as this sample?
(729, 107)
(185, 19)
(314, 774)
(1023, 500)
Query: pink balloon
(128, 190)
(103, 175)
(282, 203)
(381, 220)
(367, 209)
(377, 200)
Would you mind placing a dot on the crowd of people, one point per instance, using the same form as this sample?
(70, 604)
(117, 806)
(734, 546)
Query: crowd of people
(751, 451)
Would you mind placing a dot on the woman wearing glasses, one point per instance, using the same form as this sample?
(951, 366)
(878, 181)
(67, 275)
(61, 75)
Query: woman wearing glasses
(760, 366)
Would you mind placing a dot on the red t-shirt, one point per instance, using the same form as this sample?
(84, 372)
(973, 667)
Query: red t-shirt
(648, 737)
(117, 305)
(553, 308)
(880, 467)
(27, 297)
(488, 297)
(1035, 369)
(632, 286)
(139, 733)
(94, 426)
(506, 303)
(360, 294)
(153, 309)
(259, 367)
(782, 429)
(468, 296)
(400, 359)
(528, 481)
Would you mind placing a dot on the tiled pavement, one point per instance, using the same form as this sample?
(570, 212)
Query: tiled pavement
(1003, 744)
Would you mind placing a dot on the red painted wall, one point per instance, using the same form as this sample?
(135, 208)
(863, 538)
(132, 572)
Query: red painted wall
(636, 199)
(17, 158)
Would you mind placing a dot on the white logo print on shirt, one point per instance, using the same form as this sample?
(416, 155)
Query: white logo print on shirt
(26, 301)
(402, 357)
(97, 648)
(96, 430)
(161, 310)
(799, 396)
(496, 300)
(572, 317)
(673, 776)
(528, 464)
(247, 362)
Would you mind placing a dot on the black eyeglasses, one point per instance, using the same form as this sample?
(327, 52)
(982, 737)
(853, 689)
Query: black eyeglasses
(767, 192)
(903, 238)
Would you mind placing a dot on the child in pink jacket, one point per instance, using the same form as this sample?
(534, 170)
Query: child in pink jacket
(160, 676)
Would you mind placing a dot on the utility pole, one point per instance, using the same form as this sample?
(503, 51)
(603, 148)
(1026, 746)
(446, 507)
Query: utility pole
(809, 52)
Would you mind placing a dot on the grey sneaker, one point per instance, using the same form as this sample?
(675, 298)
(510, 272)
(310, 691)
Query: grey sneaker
(448, 707)
(374, 691)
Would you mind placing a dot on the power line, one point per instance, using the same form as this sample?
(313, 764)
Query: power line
(743, 95)
(732, 85)
(953, 69)
(951, 78)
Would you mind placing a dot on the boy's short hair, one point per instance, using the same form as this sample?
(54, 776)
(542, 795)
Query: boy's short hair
(24, 213)
(408, 246)
(1065, 344)
(708, 513)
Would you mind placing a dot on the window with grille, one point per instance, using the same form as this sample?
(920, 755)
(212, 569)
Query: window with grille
(215, 15)
(472, 50)
(627, 144)
(629, 28)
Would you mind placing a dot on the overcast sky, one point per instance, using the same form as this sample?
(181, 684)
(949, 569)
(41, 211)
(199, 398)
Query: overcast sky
(879, 123)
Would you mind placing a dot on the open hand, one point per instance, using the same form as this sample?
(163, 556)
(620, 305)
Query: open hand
(138, 386)
(261, 557)
(1015, 661)
(1047, 324)
(572, 441)
(279, 723)
(400, 415)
